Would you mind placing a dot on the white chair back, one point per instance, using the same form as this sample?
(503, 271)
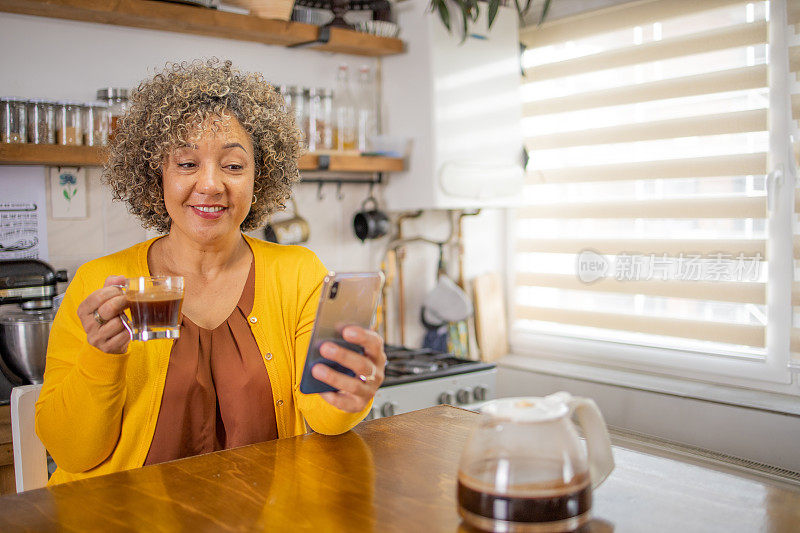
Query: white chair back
(30, 457)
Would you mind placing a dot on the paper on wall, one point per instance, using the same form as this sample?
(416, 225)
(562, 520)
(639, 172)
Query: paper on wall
(68, 192)
(23, 213)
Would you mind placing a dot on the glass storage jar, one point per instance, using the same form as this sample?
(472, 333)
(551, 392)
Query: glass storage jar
(13, 114)
(68, 127)
(298, 101)
(117, 100)
(283, 90)
(95, 124)
(320, 119)
(41, 122)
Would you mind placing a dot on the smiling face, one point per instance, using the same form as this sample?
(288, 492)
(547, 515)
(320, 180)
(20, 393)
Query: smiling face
(208, 183)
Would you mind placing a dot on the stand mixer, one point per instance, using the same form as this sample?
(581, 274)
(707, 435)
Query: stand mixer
(24, 330)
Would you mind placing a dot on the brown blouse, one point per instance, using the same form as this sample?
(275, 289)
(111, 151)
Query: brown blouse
(217, 393)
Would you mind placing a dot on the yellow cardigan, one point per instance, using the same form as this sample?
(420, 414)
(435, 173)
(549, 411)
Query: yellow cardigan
(97, 412)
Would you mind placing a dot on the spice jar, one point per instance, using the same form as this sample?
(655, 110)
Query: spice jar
(320, 119)
(41, 122)
(95, 124)
(13, 115)
(117, 100)
(68, 126)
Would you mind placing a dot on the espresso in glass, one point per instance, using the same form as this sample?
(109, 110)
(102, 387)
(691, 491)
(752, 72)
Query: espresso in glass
(155, 307)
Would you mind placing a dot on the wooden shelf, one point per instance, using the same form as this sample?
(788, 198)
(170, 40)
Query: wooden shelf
(356, 43)
(52, 155)
(56, 155)
(179, 18)
(350, 163)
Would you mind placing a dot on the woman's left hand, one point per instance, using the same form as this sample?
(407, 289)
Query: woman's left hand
(354, 392)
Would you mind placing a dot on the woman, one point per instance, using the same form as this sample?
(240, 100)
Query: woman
(204, 153)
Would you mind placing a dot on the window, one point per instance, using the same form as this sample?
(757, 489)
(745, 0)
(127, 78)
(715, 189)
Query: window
(657, 232)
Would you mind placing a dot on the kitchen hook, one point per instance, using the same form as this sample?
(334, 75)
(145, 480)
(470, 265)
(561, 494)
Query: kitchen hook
(320, 196)
(339, 193)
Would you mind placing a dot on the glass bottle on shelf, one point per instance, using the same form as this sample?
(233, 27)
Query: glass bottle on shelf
(95, 124)
(41, 122)
(68, 126)
(117, 100)
(344, 112)
(366, 127)
(13, 114)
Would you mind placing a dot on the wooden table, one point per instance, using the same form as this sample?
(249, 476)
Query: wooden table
(391, 474)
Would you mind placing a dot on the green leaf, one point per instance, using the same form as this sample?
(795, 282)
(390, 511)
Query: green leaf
(465, 16)
(493, 6)
(74, 193)
(66, 194)
(545, 10)
(444, 14)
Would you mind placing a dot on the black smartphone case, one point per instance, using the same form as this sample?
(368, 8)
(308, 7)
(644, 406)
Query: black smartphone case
(311, 385)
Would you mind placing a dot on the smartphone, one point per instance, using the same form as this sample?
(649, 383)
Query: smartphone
(347, 299)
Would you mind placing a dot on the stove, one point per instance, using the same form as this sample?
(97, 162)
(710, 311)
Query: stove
(420, 378)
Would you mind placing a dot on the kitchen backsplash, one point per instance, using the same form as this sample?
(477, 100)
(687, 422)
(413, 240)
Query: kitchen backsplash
(109, 228)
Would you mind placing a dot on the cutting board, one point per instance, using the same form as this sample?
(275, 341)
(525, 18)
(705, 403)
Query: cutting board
(490, 316)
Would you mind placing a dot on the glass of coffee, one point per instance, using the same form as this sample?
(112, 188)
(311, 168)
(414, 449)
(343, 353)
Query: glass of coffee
(524, 469)
(154, 303)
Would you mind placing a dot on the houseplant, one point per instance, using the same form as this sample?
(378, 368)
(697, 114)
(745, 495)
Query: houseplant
(468, 10)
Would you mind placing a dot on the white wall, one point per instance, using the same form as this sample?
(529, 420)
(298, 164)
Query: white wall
(61, 59)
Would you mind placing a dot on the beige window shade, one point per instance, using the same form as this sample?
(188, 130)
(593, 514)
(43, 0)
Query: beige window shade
(717, 124)
(721, 332)
(617, 17)
(698, 167)
(717, 39)
(740, 292)
(646, 148)
(657, 247)
(713, 82)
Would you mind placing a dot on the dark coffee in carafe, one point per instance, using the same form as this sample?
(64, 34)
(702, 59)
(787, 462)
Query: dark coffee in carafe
(553, 505)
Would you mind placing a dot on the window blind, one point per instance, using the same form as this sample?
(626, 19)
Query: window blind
(646, 198)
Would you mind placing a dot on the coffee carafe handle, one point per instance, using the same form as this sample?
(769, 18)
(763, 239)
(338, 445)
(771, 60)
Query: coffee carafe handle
(598, 443)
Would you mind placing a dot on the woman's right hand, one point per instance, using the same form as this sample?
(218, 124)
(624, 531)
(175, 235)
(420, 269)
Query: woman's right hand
(100, 315)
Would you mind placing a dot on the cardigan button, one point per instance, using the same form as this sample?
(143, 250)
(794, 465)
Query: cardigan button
(279, 403)
(268, 357)
(253, 319)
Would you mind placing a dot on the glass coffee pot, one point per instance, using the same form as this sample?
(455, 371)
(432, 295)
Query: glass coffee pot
(524, 468)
